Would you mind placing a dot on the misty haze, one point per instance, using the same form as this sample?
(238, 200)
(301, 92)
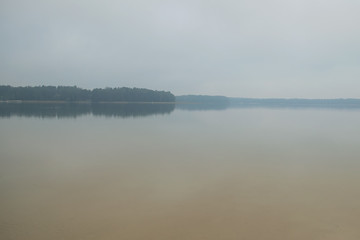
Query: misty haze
(186, 120)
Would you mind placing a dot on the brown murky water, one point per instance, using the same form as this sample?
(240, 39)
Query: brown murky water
(232, 174)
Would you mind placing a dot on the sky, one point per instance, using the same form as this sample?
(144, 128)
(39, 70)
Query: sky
(236, 48)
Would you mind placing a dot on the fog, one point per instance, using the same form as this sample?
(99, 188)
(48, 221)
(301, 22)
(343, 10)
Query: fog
(235, 48)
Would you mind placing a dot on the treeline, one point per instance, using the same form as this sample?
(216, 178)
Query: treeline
(130, 95)
(74, 94)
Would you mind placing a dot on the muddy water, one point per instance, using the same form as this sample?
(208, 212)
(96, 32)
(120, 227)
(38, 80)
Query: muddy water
(231, 174)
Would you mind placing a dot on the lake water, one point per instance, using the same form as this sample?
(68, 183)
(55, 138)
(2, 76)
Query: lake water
(159, 173)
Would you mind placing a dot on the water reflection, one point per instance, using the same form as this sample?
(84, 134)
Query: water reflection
(73, 110)
(272, 103)
(295, 103)
(124, 110)
(131, 109)
(202, 106)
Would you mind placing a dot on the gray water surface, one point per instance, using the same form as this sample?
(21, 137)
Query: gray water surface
(242, 173)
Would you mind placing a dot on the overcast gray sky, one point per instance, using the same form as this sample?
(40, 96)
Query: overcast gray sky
(239, 48)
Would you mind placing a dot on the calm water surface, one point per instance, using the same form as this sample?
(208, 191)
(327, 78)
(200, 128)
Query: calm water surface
(247, 173)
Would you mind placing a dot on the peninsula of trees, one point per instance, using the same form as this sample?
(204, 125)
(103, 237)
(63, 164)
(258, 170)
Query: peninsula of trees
(75, 94)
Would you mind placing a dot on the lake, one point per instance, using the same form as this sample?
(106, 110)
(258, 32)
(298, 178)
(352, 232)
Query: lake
(160, 172)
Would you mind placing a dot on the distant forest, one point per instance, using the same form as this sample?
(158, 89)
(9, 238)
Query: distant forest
(75, 94)
(204, 99)
(201, 102)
